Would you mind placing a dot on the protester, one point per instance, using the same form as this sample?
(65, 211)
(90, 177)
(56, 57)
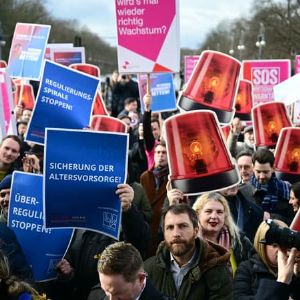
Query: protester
(217, 225)
(80, 265)
(22, 129)
(5, 186)
(124, 88)
(154, 182)
(295, 196)
(269, 192)
(246, 214)
(9, 152)
(185, 266)
(151, 130)
(236, 146)
(130, 105)
(245, 165)
(271, 273)
(122, 275)
(26, 115)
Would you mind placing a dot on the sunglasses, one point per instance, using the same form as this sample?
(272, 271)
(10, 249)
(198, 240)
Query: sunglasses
(3, 194)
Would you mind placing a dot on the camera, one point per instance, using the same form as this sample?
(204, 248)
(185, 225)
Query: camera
(283, 236)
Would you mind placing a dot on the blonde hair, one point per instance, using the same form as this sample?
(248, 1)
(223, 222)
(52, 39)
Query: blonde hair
(228, 220)
(259, 247)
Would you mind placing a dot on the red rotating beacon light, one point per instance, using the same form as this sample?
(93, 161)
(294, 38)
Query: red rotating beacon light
(287, 155)
(268, 119)
(213, 85)
(198, 158)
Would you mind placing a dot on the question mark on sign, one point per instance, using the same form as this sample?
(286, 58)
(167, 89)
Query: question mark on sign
(164, 28)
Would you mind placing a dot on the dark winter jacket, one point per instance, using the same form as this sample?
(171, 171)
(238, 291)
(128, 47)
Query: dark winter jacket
(253, 281)
(209, 278)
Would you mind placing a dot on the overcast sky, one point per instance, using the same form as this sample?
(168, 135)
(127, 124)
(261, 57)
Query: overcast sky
(197, 17)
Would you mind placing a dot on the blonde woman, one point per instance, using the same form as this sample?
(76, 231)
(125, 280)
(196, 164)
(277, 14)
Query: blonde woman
(217, 225)
(271, 273)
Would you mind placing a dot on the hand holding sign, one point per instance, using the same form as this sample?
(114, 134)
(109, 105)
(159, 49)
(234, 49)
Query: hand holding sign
(126, 194)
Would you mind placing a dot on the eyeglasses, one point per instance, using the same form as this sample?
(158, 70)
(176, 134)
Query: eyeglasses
(3, 194)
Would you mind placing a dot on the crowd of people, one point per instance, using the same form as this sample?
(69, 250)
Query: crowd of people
(211, 246)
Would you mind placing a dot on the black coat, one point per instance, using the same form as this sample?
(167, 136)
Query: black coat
(149, 293)
(253, 281)
(253, 213)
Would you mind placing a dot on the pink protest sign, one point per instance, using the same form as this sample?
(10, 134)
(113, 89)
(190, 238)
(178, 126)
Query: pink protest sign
(264, 74)
(297, 64)
(148, 35)
(6, 105)
(190, 62)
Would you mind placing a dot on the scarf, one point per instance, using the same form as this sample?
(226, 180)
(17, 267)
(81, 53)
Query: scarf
(224, 238)
(271, 191)
(160, 175)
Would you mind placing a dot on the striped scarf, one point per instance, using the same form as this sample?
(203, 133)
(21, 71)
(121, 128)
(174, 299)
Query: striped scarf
(273, 190)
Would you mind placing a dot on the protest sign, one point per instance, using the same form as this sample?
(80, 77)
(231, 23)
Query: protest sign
(82, 171)
(27, 50)
(288, 90)
(8, 121)
(65, 100)
(43, 247)
(190, 62)
(2, 120)
(264, 74)
(68, 56)
(56, 46)
(162, 91)
(148, 36)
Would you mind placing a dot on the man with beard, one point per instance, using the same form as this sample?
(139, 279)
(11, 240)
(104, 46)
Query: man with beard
(268, 191)
(185, 266)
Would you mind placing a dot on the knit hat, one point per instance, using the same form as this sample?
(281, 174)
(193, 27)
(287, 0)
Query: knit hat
(248, 129)
(6, 182)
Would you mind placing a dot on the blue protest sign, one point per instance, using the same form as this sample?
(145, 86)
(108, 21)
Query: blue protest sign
(65, 100)
(162, 90)
(43, 247)
(82, 171)
(28, 50)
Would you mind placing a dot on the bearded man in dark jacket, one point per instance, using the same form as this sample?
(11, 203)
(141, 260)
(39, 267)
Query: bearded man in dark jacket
(185, 266)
